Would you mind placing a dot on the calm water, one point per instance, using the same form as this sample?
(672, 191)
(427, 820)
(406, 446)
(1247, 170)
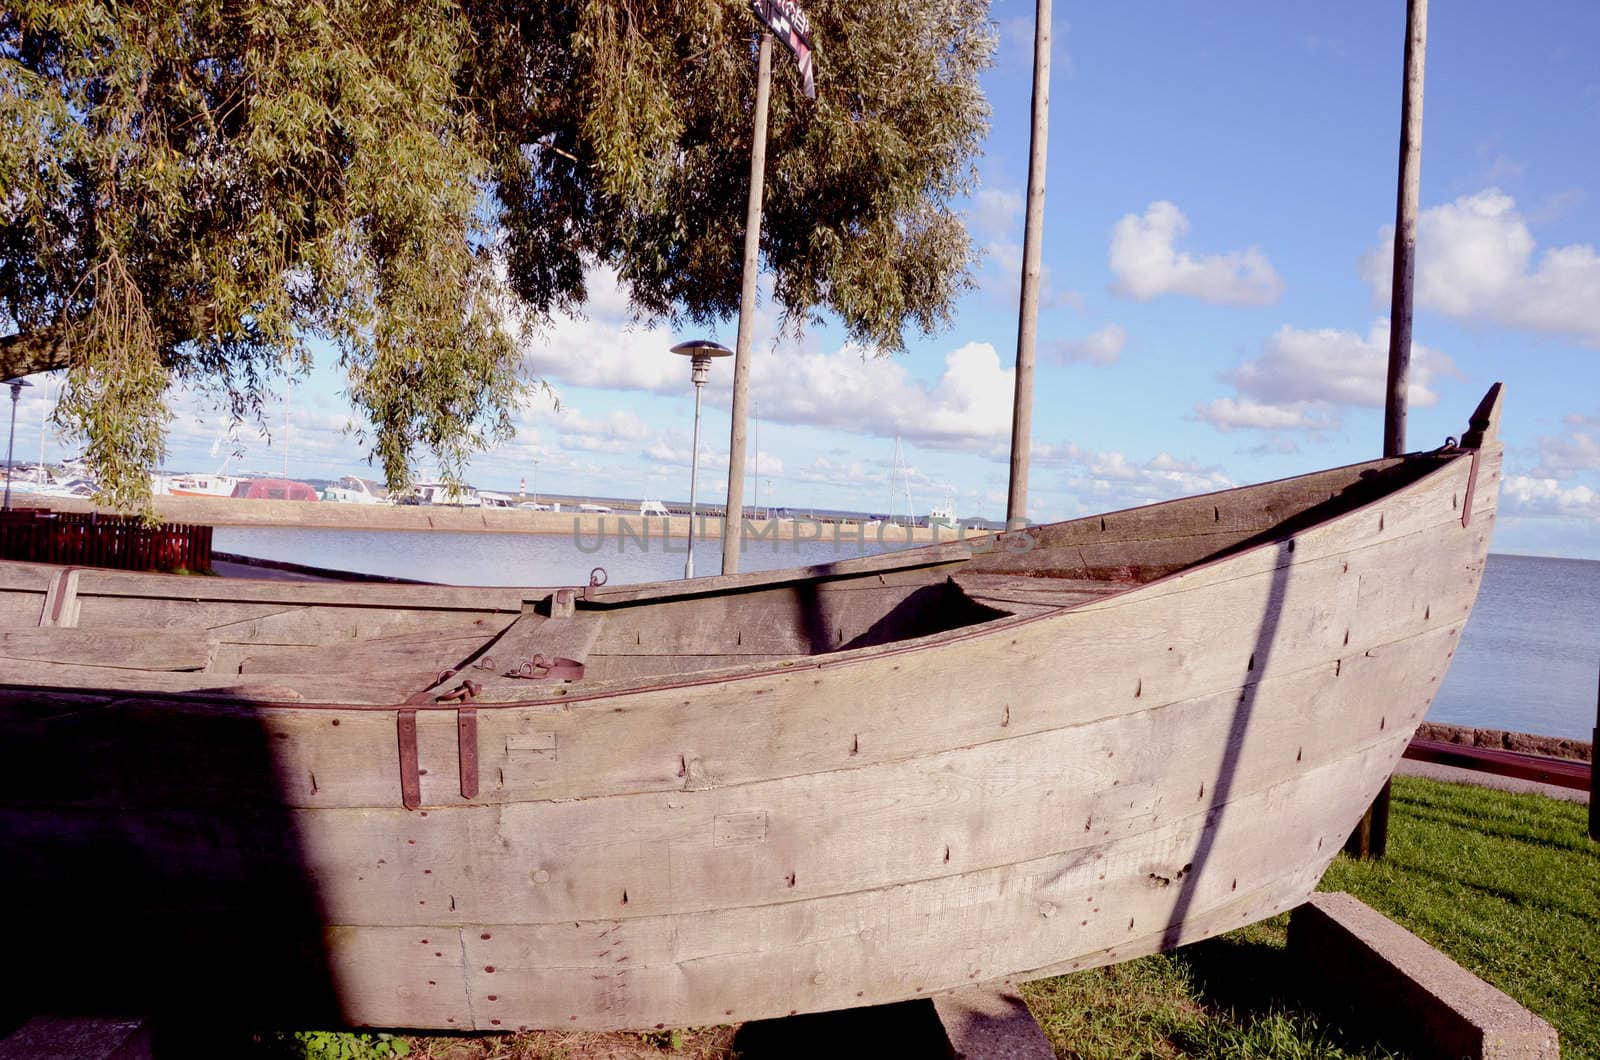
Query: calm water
(1527, 661)
(1529, 656)
(529, 559)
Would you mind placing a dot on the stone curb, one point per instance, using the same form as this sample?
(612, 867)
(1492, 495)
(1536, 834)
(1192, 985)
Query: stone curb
(1393, 979)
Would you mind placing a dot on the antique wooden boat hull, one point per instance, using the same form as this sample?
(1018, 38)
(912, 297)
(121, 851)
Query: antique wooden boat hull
(763, 794)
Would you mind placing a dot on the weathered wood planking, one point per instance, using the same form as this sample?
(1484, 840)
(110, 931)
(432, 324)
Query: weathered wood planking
(432, 649)
(136, 649)
(771, 792)
(872, 946)
(121, 685)
(784, 840)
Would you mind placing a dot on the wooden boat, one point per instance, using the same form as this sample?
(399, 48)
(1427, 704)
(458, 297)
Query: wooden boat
(728, 798)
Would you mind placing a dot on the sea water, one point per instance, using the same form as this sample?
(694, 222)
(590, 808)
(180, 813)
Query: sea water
(464, 558)
(1527, 662)
(1529, 659)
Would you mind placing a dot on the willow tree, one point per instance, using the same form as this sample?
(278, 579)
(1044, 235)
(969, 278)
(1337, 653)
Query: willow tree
(194, 190)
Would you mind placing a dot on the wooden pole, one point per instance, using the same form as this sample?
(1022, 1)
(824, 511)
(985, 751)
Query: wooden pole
(1405, 228)
(1594, 773)
(1371, 837)
(733, 521)
(1028, 308)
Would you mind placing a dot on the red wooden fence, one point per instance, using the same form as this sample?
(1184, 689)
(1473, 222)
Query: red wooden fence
(91, 540)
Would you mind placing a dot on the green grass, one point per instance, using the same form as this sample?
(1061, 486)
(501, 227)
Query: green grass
(1507, 885)
(1232, 996)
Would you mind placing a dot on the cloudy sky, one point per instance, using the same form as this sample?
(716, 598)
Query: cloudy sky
(1220, 200)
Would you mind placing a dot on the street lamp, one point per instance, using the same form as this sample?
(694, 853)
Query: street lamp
(16, 386)
(700, 352)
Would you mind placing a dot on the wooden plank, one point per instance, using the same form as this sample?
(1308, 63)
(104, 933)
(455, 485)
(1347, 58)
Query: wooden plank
(792, 619)
(60, 606)
(268, 688)
(430, 649)
(528, 646)
(866, 947)
(110, 583)
(135, 649)
(1562, 772)
(785, 840)
(1006, 592)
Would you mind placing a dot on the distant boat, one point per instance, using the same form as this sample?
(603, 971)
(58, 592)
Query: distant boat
(197, 485)
(275, 489)
(726, 798)
(489, 499)
(945, 514)
(441, 493)
(352, 489)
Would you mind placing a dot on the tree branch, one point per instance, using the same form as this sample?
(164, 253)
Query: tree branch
(33, 351)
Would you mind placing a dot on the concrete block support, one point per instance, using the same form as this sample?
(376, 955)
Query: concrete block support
(1389, 976)
(991, 1023)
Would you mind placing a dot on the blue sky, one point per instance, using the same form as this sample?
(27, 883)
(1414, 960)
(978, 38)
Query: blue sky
(1221, 181)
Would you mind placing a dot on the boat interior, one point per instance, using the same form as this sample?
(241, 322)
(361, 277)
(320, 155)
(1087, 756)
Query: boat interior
(350, 643)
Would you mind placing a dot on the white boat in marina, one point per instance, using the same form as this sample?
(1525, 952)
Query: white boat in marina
(200, 485)
(354, 490)
(456, 495)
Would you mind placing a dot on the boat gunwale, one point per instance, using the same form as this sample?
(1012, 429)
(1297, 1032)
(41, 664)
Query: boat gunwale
(920, 556)
(561, 697)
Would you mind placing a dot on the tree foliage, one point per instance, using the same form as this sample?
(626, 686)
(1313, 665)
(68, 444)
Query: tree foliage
(194, 189)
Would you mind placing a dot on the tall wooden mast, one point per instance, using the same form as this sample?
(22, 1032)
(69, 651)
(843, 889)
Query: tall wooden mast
(1405, 229)
(1371, 837)
(1028, 308)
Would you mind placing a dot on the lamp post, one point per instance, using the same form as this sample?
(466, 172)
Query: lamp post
(16, 386)
(699, 352)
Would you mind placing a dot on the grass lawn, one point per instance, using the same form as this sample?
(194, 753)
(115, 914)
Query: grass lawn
(1508, 885)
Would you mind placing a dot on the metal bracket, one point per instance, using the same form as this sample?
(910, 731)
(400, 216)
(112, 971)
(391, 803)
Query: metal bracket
(467, 750)
(1472, 483)
(410, 776)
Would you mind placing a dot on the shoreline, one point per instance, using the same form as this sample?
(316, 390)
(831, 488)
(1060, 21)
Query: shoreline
(328, 515)
(1505, 740)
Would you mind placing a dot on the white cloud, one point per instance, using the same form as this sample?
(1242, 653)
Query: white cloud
(845, 390)
(1303, 378)
(1146, 263)
(1566, 456)
(1230, 414)
(1111, 480)
(1533, 496)
(1103, 347)
(1336, 367)
(606, 348)
(1475, 261)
